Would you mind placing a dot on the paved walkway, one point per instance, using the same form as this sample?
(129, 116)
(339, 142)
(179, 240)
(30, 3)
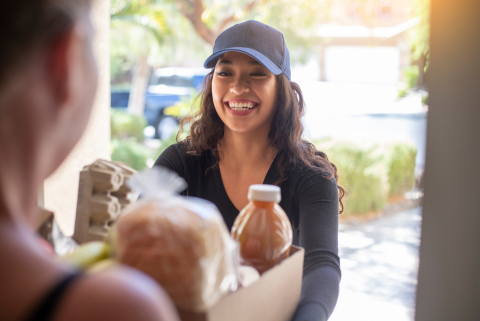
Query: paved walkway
(379, 262)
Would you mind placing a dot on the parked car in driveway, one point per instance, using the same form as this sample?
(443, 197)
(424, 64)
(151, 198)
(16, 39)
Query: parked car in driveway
(167, 87)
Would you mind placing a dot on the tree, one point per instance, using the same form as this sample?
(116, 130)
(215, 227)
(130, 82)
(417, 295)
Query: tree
(420, 37)
(298, 21)
(142, 24)
(295, 19)
(207, 24)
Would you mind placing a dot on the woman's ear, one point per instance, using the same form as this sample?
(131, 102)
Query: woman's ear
(58, 66)
(72, 68)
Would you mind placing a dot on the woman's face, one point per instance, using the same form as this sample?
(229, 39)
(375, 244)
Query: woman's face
(244, 93)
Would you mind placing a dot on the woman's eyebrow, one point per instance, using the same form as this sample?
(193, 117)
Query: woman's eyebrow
(253, 62)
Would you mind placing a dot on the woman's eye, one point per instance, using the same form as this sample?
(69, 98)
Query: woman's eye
(222, 73)
(258, 74)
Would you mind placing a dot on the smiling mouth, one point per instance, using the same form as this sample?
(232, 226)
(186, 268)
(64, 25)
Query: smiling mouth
(240, 106)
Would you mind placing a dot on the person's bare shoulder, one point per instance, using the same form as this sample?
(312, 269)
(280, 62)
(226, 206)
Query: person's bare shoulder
(117, 294)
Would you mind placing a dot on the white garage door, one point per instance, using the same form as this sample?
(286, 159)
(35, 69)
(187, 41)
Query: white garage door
(362, 64)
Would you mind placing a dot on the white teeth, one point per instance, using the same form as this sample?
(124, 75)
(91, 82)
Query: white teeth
(241, 106)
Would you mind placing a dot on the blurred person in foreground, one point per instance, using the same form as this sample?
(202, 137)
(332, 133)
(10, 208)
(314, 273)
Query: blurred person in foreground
(48, 80)
(249, 131)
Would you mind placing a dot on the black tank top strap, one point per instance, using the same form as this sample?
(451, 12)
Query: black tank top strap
(49, 304)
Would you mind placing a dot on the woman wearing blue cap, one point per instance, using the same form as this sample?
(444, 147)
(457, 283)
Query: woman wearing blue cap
(249, 131)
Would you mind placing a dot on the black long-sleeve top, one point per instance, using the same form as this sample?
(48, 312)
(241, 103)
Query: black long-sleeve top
(308, 198)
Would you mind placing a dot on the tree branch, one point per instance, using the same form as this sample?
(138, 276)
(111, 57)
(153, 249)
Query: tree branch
(195, 18)
(183, 8)
(221, 26)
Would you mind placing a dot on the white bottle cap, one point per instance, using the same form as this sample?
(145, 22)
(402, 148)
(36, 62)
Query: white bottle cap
(264, 193)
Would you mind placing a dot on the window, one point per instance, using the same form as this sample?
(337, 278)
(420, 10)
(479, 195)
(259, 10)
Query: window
(356, 9)
(384, 10)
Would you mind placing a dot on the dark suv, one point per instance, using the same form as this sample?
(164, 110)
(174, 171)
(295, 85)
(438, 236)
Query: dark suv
(167, 87)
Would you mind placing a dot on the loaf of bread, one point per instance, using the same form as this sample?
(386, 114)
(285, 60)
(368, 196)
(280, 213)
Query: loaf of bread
(183, 244)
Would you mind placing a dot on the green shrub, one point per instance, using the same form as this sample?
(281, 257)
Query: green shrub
(401, 168)
(425, 100)
(371, 175)
(125, 125)
(131, 153)
(411, 76)
(363, 175)
(402, 93)
(186, 107)
(167, 142)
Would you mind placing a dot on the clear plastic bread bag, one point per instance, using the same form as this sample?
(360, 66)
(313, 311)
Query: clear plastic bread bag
(183, 243)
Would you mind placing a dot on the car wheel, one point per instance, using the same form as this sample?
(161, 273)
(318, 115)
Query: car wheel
(165, 127)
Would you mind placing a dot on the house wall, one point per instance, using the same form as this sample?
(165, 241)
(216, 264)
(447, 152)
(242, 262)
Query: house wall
(61, 189)
(368, 13)
(400, 41)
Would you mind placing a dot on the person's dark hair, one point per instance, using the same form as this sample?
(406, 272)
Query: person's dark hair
(29, 25)
(206, 130)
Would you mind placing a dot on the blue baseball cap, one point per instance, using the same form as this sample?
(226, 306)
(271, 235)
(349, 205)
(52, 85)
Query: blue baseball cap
(263, 43)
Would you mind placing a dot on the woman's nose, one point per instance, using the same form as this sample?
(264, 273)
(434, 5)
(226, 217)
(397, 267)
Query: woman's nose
(240, 86)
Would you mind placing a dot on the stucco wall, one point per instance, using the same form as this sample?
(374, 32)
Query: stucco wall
(60, 190)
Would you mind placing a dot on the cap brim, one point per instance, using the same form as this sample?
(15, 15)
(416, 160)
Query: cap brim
(261, 58)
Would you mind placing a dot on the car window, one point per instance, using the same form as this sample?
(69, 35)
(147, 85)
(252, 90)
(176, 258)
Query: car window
(175, 81)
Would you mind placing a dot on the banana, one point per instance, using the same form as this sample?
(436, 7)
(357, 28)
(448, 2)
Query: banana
(102, 265)
(87, 254)
(111, 239)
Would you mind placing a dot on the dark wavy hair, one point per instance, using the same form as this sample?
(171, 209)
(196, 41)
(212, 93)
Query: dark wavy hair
(207, 129)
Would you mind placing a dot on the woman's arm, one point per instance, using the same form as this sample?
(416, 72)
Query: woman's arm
(318, 206)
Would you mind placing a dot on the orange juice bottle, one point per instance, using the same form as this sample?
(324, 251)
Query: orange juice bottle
(262, 229)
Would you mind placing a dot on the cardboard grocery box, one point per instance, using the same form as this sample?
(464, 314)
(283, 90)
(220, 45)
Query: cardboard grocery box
(274, 297)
